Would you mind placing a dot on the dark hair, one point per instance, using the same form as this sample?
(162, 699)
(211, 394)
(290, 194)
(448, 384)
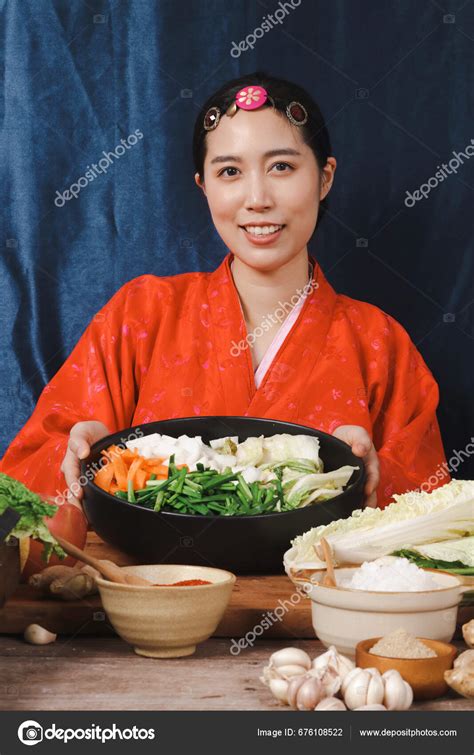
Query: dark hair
(314, 131)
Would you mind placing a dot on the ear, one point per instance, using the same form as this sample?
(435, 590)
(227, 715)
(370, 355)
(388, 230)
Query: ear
(327, 177)
(200, 183)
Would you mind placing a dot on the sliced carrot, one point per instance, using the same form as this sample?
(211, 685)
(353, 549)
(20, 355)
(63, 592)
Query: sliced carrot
(113, 488)
(104, 476)
(121, 471)
(134, 467)
(141, 477)
(129, 455)
(158, 469)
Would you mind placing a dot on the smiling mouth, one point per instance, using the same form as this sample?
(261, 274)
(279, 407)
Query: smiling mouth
(262, 230)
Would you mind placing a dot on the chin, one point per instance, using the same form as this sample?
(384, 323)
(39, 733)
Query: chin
(265, 259)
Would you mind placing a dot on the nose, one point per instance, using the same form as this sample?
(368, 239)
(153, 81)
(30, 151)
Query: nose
(258, 196)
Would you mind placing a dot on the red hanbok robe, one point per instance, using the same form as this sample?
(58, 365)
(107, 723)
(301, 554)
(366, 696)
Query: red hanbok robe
(166, 347)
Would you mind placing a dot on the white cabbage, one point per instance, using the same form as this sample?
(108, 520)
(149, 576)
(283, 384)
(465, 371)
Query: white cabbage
(414, 518)
(284, 446)
(461, 549)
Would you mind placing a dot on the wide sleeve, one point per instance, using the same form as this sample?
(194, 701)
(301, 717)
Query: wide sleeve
(406, 434)
(96, 382)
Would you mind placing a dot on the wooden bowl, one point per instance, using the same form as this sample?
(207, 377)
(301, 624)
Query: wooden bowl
(424, 675)
(167, 621)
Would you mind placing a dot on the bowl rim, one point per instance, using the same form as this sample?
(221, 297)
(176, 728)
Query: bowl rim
(391, 592)
(360, 474)
(230, 580)
(450, 650)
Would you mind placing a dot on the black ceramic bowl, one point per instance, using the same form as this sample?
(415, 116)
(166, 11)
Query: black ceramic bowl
(243, 544)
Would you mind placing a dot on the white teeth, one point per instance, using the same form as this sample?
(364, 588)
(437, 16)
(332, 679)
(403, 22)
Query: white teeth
(259, 230)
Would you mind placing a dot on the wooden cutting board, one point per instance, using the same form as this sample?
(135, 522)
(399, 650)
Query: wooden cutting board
(252, 598)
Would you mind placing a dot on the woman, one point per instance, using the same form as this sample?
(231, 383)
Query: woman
(241, 340)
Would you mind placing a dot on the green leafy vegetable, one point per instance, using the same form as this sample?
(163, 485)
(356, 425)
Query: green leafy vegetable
(455, 567)
(33, 509)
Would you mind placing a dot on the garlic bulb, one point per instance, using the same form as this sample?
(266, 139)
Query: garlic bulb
(461, 677)
(363, 687)
(468, 633)
(372, 707)
(332, 659)
(398, 693)
(285, 664)
(330, 703)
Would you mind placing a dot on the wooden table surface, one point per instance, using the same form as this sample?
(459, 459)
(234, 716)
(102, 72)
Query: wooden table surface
(103, 673)
(90, 668)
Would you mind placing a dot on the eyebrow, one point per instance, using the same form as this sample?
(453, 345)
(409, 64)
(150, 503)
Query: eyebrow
(269, 153)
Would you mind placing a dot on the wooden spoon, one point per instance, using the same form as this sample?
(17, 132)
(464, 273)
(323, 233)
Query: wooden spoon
(108, 569)
(329, 579)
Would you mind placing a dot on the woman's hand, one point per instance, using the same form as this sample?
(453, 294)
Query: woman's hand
(361, 444)
(81, 437)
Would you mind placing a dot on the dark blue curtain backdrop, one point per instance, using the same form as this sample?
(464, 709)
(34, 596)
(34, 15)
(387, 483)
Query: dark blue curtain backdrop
(394, 79)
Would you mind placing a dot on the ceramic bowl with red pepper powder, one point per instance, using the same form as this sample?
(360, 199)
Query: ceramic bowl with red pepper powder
(169, 619)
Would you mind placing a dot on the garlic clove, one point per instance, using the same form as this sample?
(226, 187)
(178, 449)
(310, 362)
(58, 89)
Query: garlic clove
(356, 691)
(398, 694)
(376, 687)
(293, 686)
(374, 706)
(279, 690)
(287, 672)
(309, 693)
(333, 659)
(331, 681)
(330, 703)
(290, 657)
(37, 635)
(348, 679)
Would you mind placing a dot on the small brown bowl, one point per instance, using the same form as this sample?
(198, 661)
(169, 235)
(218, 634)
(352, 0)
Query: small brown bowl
(424, 675)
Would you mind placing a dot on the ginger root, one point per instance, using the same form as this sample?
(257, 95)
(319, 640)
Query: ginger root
(65, 582)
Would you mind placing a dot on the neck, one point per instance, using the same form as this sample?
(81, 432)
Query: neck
(261, 292)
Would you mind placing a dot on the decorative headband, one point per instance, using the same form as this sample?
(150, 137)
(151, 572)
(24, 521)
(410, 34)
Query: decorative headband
(251, 98)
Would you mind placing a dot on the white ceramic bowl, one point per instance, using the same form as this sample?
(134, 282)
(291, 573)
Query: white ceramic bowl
(343, 617)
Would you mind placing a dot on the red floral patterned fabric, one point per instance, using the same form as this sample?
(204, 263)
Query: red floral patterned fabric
(161, 348)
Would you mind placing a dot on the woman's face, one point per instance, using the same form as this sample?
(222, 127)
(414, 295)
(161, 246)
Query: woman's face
(263, 187)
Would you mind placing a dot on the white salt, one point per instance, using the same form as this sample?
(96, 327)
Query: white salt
(390, 574)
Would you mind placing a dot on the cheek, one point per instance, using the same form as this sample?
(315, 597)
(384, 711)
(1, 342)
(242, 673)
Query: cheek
(222, 202)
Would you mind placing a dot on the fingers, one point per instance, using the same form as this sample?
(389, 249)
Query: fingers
(361, 445)
(78, 440)
(371, 501)
(355, 436)
(372, 471)
(71, 470)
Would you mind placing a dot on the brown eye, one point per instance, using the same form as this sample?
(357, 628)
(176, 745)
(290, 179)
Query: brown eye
(224, 172)
(281, 167)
